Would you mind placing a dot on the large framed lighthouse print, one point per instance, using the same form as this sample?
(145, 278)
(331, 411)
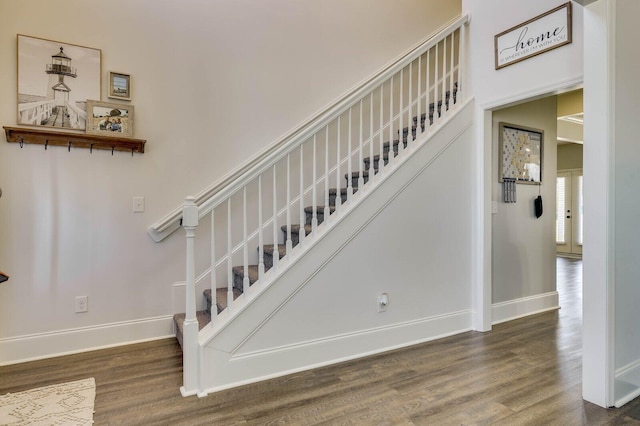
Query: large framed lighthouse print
(55, 79)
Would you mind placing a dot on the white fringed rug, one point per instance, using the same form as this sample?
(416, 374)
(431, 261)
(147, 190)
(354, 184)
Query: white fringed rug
(64, 404)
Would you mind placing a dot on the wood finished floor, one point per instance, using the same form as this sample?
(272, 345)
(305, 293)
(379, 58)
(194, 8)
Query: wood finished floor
(524, 372)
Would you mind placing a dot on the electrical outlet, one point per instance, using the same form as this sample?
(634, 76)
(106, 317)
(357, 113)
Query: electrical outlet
(82, 304)
(138, 204)
(383, 302)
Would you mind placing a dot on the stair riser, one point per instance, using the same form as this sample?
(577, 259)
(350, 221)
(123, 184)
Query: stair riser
(354, 180)
(309, 217)
(332, 199)
(268, 261)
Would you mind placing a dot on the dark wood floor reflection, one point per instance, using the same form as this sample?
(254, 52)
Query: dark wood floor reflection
(526, 371)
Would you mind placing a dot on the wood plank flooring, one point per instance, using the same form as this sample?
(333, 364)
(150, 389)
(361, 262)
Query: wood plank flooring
(524, 372)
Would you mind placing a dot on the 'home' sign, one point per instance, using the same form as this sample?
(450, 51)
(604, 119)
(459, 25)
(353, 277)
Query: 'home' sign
(538, 35)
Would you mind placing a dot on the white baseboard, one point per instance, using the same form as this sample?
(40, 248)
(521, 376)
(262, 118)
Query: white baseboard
(32, 347)
(518, 308)
(241, 369)
(627, 385)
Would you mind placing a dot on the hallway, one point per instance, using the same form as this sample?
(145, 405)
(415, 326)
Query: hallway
(526, 371)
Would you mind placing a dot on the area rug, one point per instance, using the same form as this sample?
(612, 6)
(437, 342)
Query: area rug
(64, 404)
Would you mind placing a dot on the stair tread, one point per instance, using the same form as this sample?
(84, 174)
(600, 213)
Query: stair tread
(296, 228)
(319, 209)
(252, 272)
(221, 297)
(203, 318)
(269, 248)
(343, 191)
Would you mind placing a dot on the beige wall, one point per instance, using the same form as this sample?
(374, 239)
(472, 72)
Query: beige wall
(213, 83)
(569, 156)
(523, 247)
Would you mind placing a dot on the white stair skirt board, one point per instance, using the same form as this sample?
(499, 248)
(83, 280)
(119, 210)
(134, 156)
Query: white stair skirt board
(518, 308)
(627, 384)
(263, 365)
(14, 350)
(263, 340)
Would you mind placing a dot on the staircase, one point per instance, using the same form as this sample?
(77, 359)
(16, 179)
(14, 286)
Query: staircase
(277, 221)
(269, 250)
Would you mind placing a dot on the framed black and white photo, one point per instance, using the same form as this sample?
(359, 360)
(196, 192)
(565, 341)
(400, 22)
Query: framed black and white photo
(521, 152)
(55, 79)
(109, 119)
(119, 85)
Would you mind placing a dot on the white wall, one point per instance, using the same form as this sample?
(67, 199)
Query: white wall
(213, 83)
(626, 206)
(524, 246)
(408, 238)
(537, 76)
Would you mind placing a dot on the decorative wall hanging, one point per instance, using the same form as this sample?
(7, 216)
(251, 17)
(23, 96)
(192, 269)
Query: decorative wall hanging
(55, 80)
(109, 119)
(119, 85)
(545, 32)
(521, 153)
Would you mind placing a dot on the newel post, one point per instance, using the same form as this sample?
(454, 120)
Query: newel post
(190, 330)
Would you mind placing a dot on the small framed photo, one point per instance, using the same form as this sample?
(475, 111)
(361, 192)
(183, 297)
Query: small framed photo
(521, 152)
(109, 119)
(119, 85)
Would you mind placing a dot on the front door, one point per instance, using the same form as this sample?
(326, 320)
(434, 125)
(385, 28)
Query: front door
(569, 212)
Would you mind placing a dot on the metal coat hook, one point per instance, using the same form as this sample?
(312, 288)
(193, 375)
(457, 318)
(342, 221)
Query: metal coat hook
(46, 144)
(132, 149)
(69, 146)
(112, 148)
(22, 143)
(91, 149)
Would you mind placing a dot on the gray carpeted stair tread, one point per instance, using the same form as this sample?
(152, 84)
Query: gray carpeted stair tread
(203, 318)
(221, 297)
(269, 248)
(320, 209)
(238, 271)
(295, 229)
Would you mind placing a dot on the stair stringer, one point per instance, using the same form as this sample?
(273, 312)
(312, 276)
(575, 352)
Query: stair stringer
(234, 352)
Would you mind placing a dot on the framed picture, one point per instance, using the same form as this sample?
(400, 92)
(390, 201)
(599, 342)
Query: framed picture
(109, 119)
(521, 152)
(119, 85)
(55, 79)
(545, 32)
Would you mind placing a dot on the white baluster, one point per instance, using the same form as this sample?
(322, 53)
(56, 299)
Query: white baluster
(381, 131)
(435, 89)
(214, 284)
(314, 202)
(260, 233)
(418, 107)
(190, 329)
(327, 210)
(410, 111)
(461, 60)
(245, 246)
(276, 250)
(444, 76)
(338, 178)
(400, 115)
(360, 148)
(427, 121)
(371, 169)
(229, 258)
(391, 153)
(451, 68)
(303, 216)
(349, 170)
(289, 243)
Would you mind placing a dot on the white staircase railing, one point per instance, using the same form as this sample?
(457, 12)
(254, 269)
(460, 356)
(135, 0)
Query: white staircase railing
(287, 198)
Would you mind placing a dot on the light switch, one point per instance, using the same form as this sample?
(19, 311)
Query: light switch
(138, 204)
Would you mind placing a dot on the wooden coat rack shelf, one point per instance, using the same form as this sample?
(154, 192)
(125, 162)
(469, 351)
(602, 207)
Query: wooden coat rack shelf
(72, 140)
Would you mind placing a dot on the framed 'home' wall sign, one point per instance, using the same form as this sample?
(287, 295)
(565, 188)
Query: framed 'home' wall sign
(545, 32)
